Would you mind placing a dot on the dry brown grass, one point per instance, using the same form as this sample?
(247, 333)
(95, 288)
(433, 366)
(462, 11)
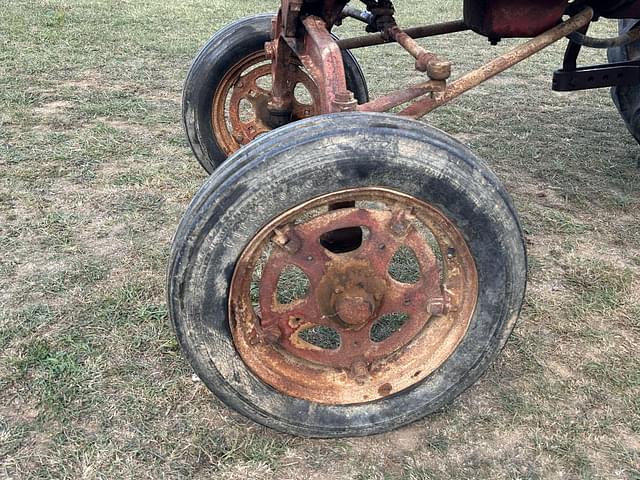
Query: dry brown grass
(95, 176)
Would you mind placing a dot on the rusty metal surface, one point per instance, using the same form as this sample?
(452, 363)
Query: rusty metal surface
(387, 102)
(349, 292)
(315, 48)
(323, 59)
(426, 61)
(498, 65)
(240, 88)
(413, 32)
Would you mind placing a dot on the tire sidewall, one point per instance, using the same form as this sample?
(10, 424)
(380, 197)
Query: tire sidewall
(225, 49)
(627, 97)
(290, 166)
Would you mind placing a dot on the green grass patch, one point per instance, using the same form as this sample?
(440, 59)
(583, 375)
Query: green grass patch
(96, 172)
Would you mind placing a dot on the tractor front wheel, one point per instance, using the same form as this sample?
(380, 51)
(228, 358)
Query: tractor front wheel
(228, 87)
(315, 332)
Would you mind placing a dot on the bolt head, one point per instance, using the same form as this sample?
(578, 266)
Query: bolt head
(438, 307)
(269, 50)
(399, 227)
(439, 70)
(271, 334)
(354, 310)
(279, 238)
(359, 371)
(345, 101)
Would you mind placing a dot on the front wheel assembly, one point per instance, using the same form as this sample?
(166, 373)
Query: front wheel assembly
(228, 88)
(346, 275)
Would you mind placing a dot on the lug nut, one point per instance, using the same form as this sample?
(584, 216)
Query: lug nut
(438, 307)
(272, 334)
(286, 240)
(279, 238)
(269, 50)
(402, 220)
(345, 101)
(359, 371)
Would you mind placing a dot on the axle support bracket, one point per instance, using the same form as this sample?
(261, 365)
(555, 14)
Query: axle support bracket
(597, 76)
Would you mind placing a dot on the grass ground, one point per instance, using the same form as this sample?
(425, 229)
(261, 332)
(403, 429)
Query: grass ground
(95, 176)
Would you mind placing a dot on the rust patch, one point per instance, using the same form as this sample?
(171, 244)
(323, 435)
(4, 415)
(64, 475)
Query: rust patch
(240, 107)
(385, 389)
(348, 293)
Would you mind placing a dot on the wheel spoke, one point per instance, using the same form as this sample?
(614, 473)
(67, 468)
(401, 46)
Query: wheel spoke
(400, 298)
(257, 97)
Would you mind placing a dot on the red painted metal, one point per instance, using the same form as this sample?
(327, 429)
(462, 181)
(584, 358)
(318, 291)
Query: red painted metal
(335, 299)
(302, 37)
(513, 18)
(527, 18)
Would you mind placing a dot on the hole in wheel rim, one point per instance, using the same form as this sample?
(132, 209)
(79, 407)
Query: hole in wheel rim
(404, 266)
(343, 240)
(293, 284)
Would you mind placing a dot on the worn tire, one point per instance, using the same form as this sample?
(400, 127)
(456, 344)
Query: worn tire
(311, 158)
(222, 51)
(627, 98)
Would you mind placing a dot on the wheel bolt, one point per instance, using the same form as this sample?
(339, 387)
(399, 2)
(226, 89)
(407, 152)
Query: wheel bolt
(279, 237)
(359, 371)
(271, 334)
(287, 241)
(438, 306)
(401, 221)
(269, 50)
(345, 101)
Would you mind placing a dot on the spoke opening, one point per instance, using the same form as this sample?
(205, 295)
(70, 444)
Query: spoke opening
(404, 266)
(387, 325)
(326, 338)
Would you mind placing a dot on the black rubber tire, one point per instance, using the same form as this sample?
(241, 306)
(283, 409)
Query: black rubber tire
(302, 161)
(222, 51)
(627, 98)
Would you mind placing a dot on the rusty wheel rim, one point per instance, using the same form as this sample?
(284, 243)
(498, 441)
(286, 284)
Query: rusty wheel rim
(239, 108)
(350, 293)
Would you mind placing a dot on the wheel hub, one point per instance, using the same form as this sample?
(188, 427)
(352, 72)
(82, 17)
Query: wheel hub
(240, 108)
(350, 292)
